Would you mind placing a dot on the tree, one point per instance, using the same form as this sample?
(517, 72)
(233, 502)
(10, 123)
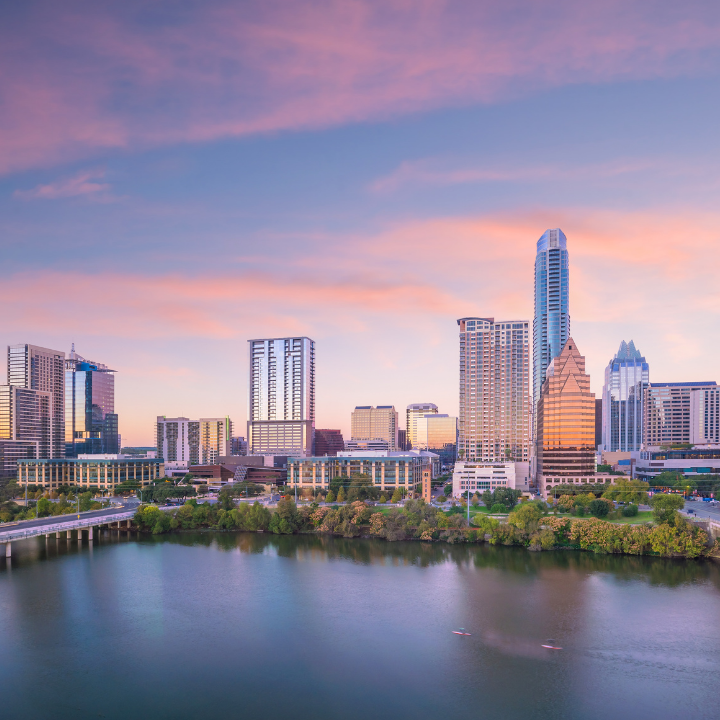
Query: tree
(43, 507)
(396, 496)
(630, 510)
(330, 497)
(476, 499)
(285, 519)
(447, 490)
(668, 479)
(383, 498)
(498, 508)
(625, 490)
(361, 488)
(665, 507)
(487, 498)
(598, 508)
(341, 495)
(526, 517)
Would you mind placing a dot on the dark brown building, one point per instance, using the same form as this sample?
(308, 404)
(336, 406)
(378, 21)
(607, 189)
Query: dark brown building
(328, 442)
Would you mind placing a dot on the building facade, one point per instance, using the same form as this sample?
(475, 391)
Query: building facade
(178, 441)
(623, 399)
(103, 473)
(667, 412)
(328, 442)
(10, 452)
(479, 476)
(387, 470)
(438, 435)
(41, 369)
(494, 420)
(566, 421)
(705, 416)
(413, 413)
(26, 417)
(281, 416)
(551, 323)
(238, 446)
(375, 423)
(687, 461)
(91, 424)
(215, 439)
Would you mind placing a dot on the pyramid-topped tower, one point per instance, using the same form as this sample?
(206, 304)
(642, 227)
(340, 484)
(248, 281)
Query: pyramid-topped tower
(566, 421)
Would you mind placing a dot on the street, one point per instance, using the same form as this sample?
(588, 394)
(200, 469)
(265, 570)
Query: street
(72, 517)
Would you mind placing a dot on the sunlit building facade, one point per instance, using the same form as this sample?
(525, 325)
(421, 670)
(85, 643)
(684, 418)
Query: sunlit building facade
(438, 434)
(626, 379)
(413, 413)
(42, 369)
(494, 419)
(26, 417)
(551, 323)
(281, 415)
(705, 416)
(91, 424)
(375, 423)
(215, 439)
(566, 421)
(178, 441)
(328, 442)
(10, 452)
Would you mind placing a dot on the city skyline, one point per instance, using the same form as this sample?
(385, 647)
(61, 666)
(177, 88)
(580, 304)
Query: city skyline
(359, 177)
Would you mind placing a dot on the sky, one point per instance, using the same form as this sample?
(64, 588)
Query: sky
(179, 177)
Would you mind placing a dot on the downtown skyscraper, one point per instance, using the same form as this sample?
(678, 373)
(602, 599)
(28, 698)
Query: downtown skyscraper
(494, 419)
(551, 324)
(281, 416)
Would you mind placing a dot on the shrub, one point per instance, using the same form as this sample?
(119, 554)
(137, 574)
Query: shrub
(498, 508)
(630, 510)
(598, 508)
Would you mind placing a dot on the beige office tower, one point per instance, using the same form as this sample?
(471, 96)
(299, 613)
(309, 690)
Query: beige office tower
(215, 439)
(495, 400)
(375, 423)
(413, 413)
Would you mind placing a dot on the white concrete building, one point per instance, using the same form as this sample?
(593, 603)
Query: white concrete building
(478, 476)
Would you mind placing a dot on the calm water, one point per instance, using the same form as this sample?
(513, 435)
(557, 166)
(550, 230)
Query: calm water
(251, 626)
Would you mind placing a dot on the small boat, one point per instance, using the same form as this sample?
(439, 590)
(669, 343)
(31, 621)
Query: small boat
(551, 645)
(461, 631)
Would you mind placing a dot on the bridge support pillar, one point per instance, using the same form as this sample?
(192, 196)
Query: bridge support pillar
(128, 524)
(69, 534)
(90, 533)
(57, 535)
(8, 550)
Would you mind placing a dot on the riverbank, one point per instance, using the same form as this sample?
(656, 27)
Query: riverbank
(418, 521)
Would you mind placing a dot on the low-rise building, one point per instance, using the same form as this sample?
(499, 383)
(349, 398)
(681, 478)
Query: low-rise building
(477, 476)
(104, 472)
(688, 461)
(387, 470)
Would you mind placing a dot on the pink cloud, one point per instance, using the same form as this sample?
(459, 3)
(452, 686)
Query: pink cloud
(78, 185)
(81, 78)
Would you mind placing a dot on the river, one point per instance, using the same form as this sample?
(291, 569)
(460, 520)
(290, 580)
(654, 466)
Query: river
(258, 626)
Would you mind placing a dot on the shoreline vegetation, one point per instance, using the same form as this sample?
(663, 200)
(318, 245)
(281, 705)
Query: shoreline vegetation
(527, 524)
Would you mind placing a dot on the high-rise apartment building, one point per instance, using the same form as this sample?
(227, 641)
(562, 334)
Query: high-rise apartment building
(215, 439)
(705, 416)
(281, 417)
(667, 412)
(328, 442)
(238, 446)
(551, 324)
(178, 441)
(91, 424)
(37, 368)
(26, 417)
(566, 421)
(626, 378)
(375, 423)
(412, 414)
(494, 420)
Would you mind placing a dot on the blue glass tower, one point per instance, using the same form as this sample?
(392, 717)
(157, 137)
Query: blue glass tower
(551, 324)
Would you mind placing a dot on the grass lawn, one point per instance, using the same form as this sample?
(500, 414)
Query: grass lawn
(642, 517)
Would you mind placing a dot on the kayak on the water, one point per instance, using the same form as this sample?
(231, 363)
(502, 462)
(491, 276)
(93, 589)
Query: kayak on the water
(461, 631)
(551, 645)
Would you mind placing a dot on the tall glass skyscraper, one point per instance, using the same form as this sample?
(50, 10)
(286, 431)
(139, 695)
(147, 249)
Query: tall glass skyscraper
(626, 380)
(281, 417)
(551, 325)
(91, 425)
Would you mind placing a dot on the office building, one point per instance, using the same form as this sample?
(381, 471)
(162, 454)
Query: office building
(328, 442)
(238, 446)
(178, 441)
(91, 424)
(598, 423)
(103, 472)
(551, 324)
(375, 423)
(626, 379)
(687, 461)
(281, 417)
(705, 416)
(478, 477)
(437, 433)
(215, 439)
(494, 420)
(10, 452)
(26, 417)
(374, 445)
(667, 412)
(402, 440)
(37, 368)
(387, 470)
(566, 421)
(413, 413)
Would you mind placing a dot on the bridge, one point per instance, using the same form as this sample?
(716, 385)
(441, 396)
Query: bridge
(64, 524)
